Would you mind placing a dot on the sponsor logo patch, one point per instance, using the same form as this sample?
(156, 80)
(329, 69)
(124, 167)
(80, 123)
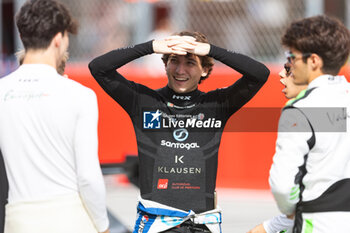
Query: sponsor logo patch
(181, 97)
(179, 145)
(180, 135)
(171, 221)
(144, 219)
(162, 183)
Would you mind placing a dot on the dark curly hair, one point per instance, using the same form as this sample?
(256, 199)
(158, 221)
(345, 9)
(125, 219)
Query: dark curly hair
(206, 61)
(38, 21)
(323, 35)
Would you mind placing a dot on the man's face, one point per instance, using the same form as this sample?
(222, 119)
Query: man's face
(299, 69)
(184, 72)
(291, 90)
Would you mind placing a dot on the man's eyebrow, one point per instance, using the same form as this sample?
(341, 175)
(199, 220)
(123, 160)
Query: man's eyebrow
(191, 59)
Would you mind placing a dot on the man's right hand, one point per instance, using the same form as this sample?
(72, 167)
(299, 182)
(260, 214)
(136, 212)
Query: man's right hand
(174, 45)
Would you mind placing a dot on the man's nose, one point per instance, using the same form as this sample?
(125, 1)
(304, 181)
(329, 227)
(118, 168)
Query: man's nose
(180, 69)
(283, 81)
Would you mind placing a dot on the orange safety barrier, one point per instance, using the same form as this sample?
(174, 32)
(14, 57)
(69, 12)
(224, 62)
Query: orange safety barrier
(245, 156)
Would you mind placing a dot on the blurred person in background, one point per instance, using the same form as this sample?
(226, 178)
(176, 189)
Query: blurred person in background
(162, 28)
(310, 177)
(178, 128)
(48, 133)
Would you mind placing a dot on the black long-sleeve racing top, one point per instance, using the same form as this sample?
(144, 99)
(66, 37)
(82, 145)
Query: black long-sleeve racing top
(178, 135)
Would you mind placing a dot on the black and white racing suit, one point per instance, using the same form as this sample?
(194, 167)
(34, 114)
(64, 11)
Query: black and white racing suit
(310, 175)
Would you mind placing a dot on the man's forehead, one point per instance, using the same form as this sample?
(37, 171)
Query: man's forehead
(187, 56)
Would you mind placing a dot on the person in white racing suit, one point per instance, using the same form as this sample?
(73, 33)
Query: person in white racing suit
(48, 135)
(311, 167)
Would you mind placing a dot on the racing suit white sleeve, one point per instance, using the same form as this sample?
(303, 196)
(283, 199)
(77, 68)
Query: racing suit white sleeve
(291, 147)
(90, 181)
(278, 223)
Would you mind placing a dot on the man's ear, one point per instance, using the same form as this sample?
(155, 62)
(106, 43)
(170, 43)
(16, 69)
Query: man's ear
(205, 71)
(57, 39)
(316, 61)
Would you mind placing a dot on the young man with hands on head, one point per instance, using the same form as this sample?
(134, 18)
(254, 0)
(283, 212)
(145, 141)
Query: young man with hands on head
(178, 128)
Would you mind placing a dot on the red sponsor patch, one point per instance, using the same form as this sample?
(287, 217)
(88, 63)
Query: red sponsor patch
(162, 184)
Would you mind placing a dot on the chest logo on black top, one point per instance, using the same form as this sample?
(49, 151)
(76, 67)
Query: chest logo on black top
(179, 97)
(152, 120)
(180, 135)
(162, 183)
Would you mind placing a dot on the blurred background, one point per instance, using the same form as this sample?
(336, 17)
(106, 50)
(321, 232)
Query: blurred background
(251, 27)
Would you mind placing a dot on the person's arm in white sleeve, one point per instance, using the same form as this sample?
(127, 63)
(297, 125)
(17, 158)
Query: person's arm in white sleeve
(291, 147)
(278, 223)
(90, 180)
